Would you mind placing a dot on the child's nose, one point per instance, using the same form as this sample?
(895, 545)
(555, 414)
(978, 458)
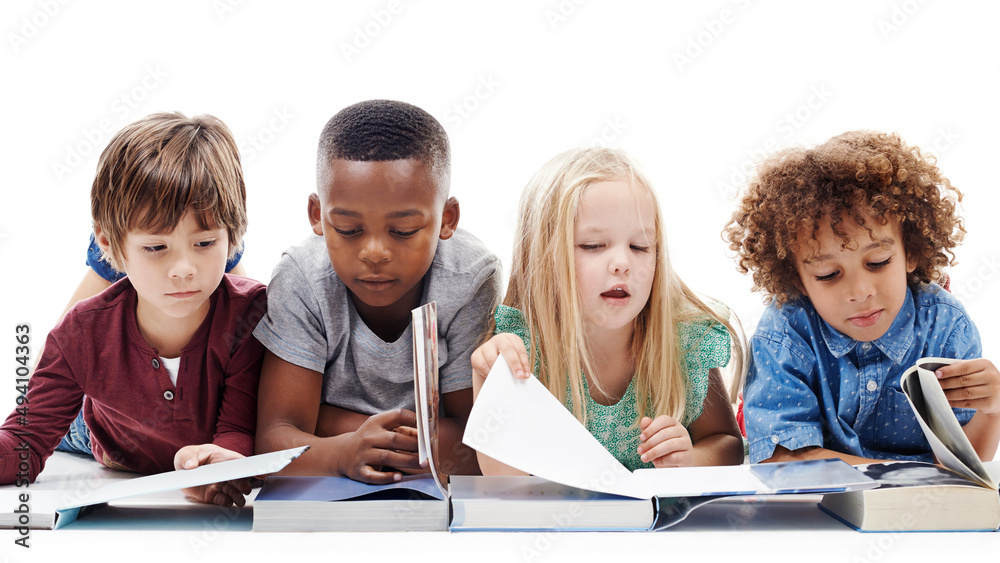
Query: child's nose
(619, 263)
(182, 266)
(374, 250)
(862, 288)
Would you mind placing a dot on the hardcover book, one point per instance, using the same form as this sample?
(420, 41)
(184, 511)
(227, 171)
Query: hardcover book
(959, 494)
(416, 503)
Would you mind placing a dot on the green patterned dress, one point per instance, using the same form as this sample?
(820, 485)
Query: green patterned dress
(705, 345)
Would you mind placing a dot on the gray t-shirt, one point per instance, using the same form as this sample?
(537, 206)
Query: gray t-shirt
(311, 322)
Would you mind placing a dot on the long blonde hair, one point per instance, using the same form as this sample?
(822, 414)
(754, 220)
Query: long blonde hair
(543, 286)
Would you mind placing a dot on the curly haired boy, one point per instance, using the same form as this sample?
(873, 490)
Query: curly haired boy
(848, 241)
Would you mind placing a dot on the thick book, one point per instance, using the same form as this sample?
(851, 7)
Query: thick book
(323, 504)
(66, 490)
(959, 494)
(416, 503)
(518, 422)
(916, 497)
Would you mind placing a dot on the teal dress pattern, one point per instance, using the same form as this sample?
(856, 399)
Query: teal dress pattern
(705, 345)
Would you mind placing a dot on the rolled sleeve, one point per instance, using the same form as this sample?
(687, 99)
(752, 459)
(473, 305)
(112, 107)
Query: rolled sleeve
(780, 407)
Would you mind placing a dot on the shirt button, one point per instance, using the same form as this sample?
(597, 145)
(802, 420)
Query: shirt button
(866, 346)
(156, 363)
(774, 439)
(872, 386)
(168, 395)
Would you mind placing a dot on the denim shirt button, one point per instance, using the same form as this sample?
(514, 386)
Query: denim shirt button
(872, 386)
(866, 346)
(774, 439)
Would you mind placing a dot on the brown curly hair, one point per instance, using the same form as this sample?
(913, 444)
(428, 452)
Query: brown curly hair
(864, 174)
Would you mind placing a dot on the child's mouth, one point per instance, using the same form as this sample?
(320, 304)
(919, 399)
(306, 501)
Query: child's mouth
(616, 293)
(866, 321)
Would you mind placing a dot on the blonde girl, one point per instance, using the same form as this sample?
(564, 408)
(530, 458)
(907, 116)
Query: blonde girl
(612, 330)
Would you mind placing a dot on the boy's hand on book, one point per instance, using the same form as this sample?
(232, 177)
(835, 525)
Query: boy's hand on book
(227, 493)
(381, 441)
(665, 442)
(511, 347)
(972, 384)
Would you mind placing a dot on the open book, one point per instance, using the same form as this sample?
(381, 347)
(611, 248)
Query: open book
(960, 494)
(520, 423)
(62, 493)
(416, 503)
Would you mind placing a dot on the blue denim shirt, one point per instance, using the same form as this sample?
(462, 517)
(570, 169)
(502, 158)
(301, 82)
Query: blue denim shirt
(810, 385)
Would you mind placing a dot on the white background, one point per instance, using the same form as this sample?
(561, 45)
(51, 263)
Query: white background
(693, 90)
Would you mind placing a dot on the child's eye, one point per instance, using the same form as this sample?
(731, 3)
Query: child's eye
(153, 249)
(590, 246)
(878, 265)
(405, 234)
(828, 277)
(347, 233)
(639, 248)
(205, 244)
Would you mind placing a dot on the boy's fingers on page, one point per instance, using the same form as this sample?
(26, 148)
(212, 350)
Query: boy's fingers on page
(972, 397)
(396, 417)
(393, 440)
(244, 486)
(406, 430)
(393, 458)
(369, 474)
(228, 495)
(964, 367)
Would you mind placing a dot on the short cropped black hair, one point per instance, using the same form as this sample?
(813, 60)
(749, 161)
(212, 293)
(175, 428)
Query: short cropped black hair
(379, 130)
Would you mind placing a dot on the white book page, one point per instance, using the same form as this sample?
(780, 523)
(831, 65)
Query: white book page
(184, 478)
(948, 441)
(518, 422)
(697, 481)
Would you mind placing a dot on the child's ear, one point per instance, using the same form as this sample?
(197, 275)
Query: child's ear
(911, 264)
(315, 214)
(102, 239)
(449, 218)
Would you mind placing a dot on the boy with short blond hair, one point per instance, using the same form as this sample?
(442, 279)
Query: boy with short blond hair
(338, 371)
(159, 371)
(848, 240)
